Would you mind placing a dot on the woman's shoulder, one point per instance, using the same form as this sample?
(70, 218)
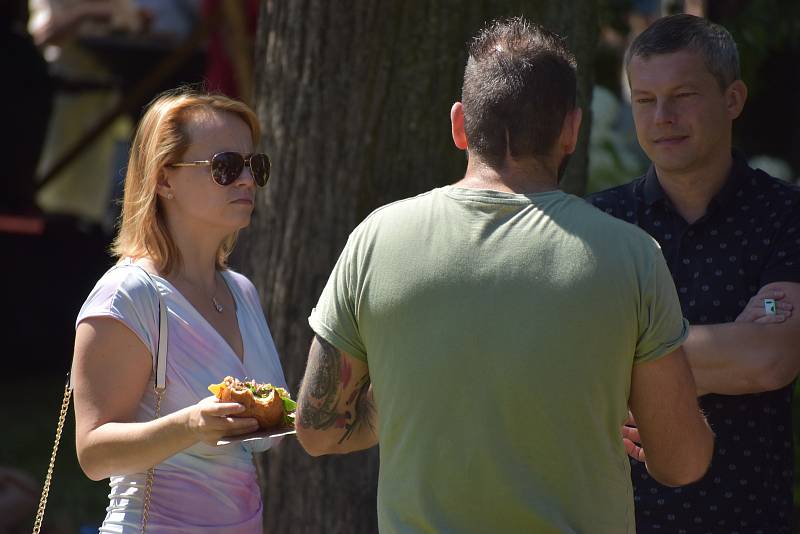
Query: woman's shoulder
(130, 279)
(127, 294)
(122, 289)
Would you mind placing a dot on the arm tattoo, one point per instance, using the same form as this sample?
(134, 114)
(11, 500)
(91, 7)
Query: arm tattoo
(364, 409)
(327, 376)
(320, 390)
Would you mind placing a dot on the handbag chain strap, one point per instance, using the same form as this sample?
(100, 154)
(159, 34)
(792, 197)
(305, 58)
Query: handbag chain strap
(159, 385)
(151, 473)
(37, 524)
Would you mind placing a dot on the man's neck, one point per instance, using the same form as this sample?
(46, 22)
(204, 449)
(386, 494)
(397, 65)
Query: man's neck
(691, 192)
(523, 177)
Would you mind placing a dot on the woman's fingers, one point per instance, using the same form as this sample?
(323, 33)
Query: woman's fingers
(221, 409)
(213, 419)
(240, 425)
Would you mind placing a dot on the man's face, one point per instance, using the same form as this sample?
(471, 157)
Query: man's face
(681, 117)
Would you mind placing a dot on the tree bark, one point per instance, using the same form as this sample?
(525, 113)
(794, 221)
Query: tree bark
(354, 100)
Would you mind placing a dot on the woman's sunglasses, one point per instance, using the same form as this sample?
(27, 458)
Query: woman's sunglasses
(226, 167)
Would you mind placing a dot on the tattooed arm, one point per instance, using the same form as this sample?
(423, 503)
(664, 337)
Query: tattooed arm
(335, 408)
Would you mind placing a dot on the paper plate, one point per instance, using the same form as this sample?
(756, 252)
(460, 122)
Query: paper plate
(257, 436)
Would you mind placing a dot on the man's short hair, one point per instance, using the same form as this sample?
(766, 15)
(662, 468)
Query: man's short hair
(519, 84)
(688, 32)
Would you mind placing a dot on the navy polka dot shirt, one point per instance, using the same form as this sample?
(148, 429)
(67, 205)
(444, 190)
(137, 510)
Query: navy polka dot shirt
(749, 237)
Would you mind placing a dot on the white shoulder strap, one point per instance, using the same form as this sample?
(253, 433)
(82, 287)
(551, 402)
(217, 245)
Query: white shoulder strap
(161, 351)
(160, 363)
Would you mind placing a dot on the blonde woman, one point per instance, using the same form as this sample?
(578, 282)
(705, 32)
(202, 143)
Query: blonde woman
(189, 189)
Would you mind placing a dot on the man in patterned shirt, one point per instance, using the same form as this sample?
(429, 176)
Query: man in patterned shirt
(731, 237)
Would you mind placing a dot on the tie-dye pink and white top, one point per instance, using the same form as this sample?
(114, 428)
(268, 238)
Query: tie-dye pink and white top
(202, 488)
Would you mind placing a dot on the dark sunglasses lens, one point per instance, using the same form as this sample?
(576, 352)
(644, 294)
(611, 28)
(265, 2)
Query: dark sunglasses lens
(226, 167)
(259, 166)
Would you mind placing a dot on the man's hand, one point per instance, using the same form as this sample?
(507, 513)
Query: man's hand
(755, 312)
(756, 353)
(632, 440)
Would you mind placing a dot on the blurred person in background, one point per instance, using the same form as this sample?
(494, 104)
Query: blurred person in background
(26, 93)
(19, 494)
(614, 154)
(229, 69)
(71, 34)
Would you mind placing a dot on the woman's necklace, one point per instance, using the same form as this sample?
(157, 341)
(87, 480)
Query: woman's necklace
(217, 305)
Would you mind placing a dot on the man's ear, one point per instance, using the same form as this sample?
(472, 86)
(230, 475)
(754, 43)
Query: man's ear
(735, 97)
(457, 126)
(570, 130)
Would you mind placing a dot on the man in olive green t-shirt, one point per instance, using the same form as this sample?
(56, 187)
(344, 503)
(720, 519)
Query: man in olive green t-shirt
(500, 329)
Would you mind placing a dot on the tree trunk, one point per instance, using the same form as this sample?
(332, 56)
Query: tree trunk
(354, 102)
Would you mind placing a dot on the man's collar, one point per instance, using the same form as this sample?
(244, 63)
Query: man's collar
(653, 192)
(739, 172)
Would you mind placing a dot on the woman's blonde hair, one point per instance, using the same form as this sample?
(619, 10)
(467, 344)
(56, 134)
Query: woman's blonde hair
(161, 139)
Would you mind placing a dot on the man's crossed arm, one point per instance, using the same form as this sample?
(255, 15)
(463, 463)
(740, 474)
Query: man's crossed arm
(759, 352)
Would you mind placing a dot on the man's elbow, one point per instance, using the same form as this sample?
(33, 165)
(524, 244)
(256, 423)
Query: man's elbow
(676, 478)
(687, 470)
(310, 445)
(775, 372)
(314, 442)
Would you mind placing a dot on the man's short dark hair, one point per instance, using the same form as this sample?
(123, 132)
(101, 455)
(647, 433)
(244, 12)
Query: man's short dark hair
(519, 84)
(687, 32)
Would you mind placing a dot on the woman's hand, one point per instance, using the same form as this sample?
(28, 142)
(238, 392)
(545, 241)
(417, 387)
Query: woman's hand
(209, 420)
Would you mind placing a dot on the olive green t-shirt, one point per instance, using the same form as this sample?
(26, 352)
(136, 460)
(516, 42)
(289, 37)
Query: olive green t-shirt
(500, 331)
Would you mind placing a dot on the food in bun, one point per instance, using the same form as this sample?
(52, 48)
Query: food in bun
(271, 406)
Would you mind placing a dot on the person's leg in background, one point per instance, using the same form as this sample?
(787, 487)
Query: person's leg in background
(26, 94)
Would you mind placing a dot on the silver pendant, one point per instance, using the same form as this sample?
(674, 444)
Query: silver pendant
(217, 305)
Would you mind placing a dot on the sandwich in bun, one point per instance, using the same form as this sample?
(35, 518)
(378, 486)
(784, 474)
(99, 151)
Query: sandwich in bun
(271, 406)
